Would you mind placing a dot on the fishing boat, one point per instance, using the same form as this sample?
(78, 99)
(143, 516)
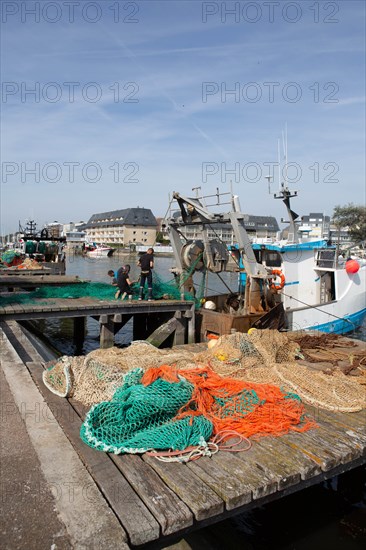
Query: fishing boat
(40, 246)
(94, 250)
(293, 284)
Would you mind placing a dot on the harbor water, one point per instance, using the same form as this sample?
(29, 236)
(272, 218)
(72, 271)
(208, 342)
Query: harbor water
(329, 515)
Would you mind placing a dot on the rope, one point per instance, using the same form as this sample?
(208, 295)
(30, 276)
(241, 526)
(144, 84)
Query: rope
(204, 449)
(321, 310)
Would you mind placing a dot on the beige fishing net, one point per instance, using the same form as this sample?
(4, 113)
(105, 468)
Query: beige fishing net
(95, 377)
(267, 356)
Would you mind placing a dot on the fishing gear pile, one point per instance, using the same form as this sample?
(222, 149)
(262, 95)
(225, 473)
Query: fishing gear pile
(167, 408)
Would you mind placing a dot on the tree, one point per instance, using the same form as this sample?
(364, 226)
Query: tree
(160, 238)
(353, 217)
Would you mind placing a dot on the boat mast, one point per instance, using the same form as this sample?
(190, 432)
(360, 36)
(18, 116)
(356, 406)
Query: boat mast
(284, 192)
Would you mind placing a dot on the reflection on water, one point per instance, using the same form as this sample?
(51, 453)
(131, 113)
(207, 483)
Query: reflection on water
(330, 515)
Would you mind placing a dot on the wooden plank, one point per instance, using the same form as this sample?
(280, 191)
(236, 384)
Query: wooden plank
(136, 519)
(162, 333)
(306, 467)
(248, 472)
(232, 491)
(198, 496)
(314, 447)
(354, 435)
(172, 514)
(269, 457)
(345, 450)
(23, 280)
(180, 329)
(355, 421)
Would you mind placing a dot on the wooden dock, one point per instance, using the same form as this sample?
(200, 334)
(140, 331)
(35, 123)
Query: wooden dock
(155, 501)
(148, 317)
(36, 280)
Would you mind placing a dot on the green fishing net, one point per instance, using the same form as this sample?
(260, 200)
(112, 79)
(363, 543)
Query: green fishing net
(140, 418)
(8, 256)
(99, 291)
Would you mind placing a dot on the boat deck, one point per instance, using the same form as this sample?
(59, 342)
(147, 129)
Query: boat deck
(155, 501)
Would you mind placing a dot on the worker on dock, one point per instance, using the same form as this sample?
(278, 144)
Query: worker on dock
(124, 283)
(121, 279)
(146, 263)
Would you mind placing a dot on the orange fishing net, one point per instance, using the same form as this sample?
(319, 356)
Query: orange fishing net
(230, 404)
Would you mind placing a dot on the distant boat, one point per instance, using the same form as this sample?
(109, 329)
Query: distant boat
(99, 251)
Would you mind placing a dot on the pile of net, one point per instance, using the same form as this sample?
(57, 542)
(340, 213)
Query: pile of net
(10, 258)
(98, 291)
(95, 377)
(169, 408)
(269, 357)
(30, 263)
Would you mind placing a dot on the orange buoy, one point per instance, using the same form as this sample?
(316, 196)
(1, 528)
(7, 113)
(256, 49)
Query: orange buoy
(280, 285)
(352, 266)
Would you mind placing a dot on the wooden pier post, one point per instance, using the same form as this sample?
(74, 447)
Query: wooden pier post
(190, 315)
(180, 330)
(106, 331)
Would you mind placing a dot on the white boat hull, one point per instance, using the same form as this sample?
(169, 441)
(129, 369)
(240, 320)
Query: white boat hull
(103, 252)
(340, 316)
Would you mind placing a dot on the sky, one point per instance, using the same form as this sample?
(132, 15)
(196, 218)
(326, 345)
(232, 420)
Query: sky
(115, 104)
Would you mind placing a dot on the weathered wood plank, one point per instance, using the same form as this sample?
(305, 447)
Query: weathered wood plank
(228, 487)
(172, 514)
(312, 445)
(16, 308)
(136, 519)
(269, 457)
(162, 333)
(199, 498)
(306, 467)
(20, 279)
(354, 435)
(355, 421)
(249, 473)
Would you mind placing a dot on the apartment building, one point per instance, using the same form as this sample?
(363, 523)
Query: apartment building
(263, 227)
(122, 227)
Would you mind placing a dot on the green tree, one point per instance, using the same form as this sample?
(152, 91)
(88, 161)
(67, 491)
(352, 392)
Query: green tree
(161, 239)
(353, 217)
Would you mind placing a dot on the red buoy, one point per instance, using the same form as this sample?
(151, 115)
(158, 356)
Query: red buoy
(352, 266)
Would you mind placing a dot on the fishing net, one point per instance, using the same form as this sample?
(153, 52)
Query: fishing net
(167, 408)
(10, 258)
(141, 418)
(269, 357)
(98, 291)
(95, 377)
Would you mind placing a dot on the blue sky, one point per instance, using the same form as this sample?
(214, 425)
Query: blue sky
(137, 104)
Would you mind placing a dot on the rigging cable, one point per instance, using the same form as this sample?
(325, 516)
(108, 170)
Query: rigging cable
(321, 310)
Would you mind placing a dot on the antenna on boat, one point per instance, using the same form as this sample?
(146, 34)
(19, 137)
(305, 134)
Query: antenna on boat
(268, 178)
(284, 192)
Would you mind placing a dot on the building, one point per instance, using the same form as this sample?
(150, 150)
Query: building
(122, 227)
(316, 224)
(54, 229)
(257, 227)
